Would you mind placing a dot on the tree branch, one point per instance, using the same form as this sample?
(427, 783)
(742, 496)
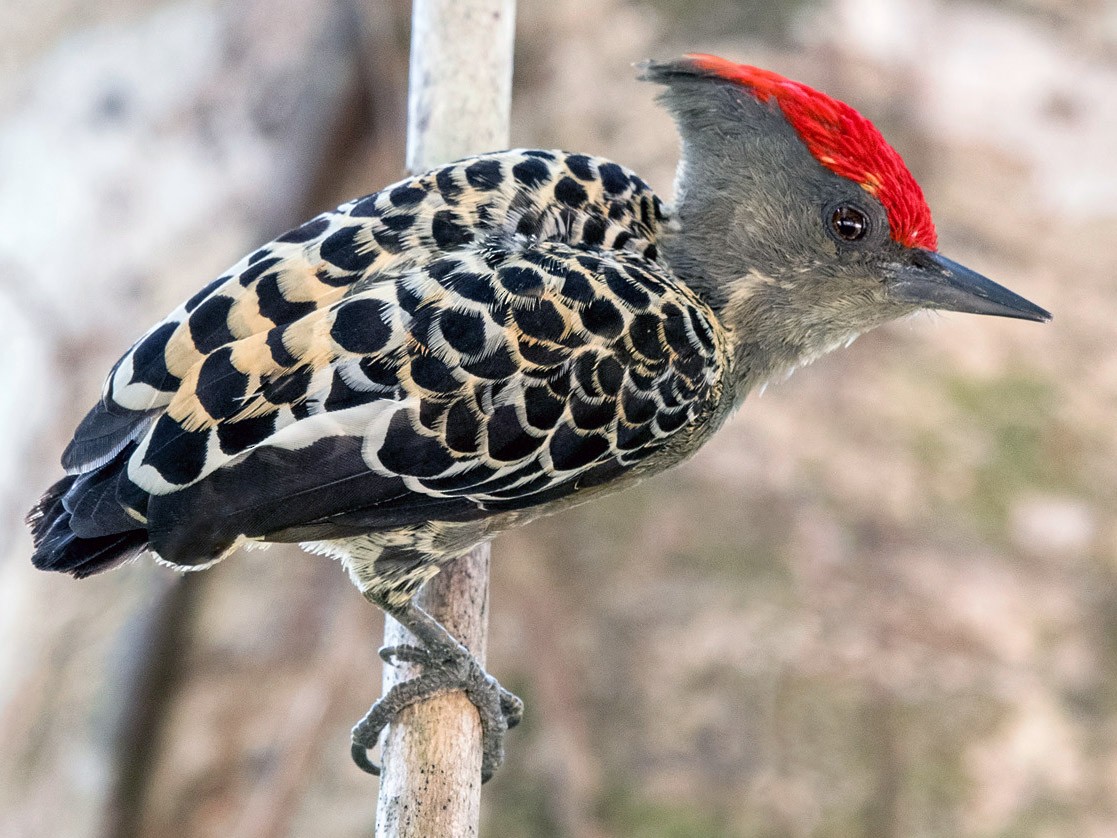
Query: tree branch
(459, 102)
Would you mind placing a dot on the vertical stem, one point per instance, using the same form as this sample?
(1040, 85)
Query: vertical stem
(430, 782)
(458, 104)
(460, 90)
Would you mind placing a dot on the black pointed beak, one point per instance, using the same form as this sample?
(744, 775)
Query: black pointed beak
(933, 281)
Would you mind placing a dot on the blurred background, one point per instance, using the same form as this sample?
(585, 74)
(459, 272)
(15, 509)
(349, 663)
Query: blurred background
(882, 602)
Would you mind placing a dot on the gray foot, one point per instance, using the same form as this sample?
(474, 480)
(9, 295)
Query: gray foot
(447, 667)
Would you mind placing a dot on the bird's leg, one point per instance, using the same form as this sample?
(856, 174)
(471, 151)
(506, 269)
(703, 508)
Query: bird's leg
(447, 667)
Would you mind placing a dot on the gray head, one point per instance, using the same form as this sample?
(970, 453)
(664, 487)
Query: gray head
(797, 222)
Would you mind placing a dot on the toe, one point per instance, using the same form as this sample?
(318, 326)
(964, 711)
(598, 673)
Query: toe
(512, 706)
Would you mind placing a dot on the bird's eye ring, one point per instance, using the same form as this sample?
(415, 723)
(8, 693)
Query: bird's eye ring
(849, 223)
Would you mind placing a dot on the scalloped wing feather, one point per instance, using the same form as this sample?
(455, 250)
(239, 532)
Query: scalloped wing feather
(491, 336)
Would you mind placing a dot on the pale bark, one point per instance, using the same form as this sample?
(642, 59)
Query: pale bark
(460, 89)
(430, 782)
(459, 101)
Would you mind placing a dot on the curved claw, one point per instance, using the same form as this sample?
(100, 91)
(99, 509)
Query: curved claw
(360, 756)
(395, 655)
(366, 734)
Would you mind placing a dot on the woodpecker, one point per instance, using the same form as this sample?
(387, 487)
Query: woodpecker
(408, 375)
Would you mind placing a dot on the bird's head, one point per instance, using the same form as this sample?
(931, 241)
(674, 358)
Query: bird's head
(797, 221)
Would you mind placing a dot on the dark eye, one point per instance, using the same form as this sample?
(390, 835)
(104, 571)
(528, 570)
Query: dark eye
(849, 223)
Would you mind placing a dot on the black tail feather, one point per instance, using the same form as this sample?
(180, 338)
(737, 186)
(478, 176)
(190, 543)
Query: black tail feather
(94, 505)
(58, 547)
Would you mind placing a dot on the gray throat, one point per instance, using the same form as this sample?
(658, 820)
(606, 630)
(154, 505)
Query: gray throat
(753, 309)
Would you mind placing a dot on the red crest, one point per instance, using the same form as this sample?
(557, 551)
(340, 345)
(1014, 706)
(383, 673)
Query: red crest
(843, 141)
